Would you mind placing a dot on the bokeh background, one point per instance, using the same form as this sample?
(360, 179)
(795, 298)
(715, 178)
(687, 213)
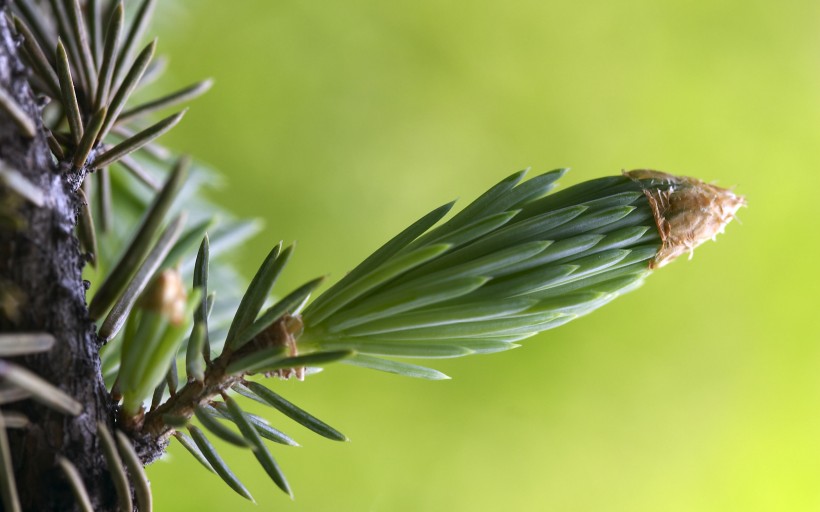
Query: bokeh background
(339, 123)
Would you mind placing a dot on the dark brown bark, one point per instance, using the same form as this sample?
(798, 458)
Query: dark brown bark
(41, 263)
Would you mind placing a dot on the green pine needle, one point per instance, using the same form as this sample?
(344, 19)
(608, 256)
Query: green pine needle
(138, 140)
(133, 167)
(89, 138)
(189, 444)
(396, 367)
(290, 410)
(80, 37)
(135, 32)
(170, 100)
(37, 58)
(127, 87)
(215, 461)
(112, 41)
(85, 230)
(69, 94)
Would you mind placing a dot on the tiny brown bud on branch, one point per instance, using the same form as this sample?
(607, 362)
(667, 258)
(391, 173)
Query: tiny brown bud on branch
(166, 294)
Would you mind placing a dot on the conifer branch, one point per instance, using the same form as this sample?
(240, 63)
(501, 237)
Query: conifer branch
(517, 261)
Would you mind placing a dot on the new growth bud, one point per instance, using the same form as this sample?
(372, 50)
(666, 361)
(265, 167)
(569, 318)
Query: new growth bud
(687, 211)
(517, 261)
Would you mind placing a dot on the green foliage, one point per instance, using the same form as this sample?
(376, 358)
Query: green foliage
(513, 263)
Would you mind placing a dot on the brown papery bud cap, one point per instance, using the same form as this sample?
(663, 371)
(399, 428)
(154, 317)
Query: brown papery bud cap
(687, 211)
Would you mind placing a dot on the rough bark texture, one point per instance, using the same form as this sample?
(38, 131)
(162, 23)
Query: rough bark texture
(41, 264)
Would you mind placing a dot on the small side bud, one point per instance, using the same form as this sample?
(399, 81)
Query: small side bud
(687, 211)
(166, 295)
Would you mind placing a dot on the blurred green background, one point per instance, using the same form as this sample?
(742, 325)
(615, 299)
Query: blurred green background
(341, 122)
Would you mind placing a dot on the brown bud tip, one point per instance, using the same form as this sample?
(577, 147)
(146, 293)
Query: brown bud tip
(687, 211)
(166, 294)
